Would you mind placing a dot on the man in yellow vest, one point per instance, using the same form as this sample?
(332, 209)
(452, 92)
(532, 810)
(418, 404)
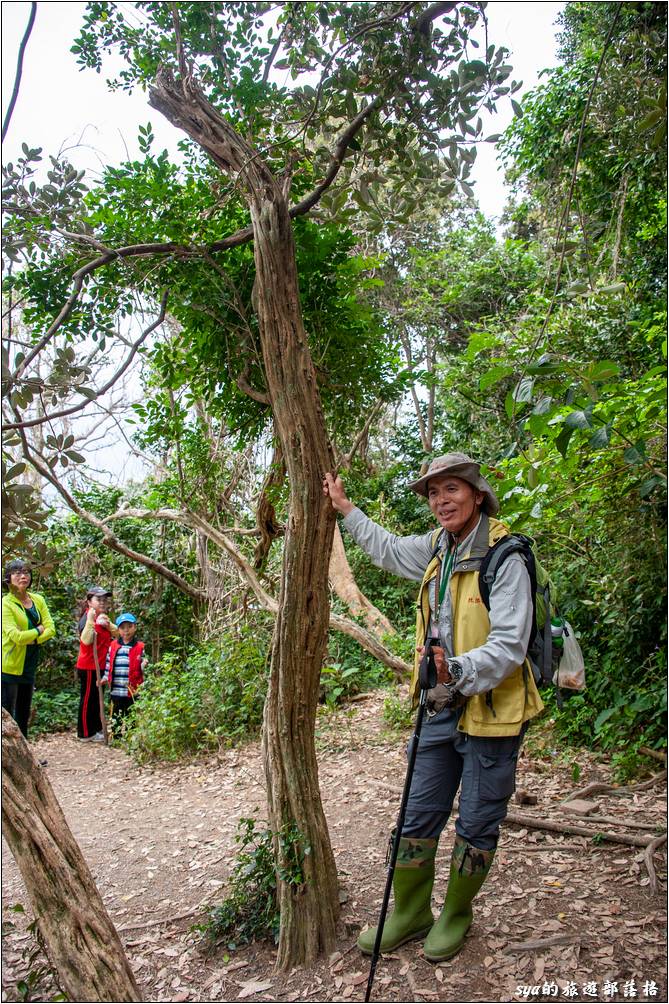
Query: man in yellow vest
(478, 711)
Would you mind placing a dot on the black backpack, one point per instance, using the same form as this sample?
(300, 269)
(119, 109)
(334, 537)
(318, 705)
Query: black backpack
(541, 651)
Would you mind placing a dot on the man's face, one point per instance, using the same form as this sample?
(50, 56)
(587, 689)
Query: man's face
(454, 503)
(127, 631)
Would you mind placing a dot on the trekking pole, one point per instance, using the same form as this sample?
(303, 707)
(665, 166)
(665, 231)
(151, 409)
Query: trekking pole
(103, 717)
(428, 676)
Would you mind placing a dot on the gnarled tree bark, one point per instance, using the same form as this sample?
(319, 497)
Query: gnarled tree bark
(309, 910)
(81, 941)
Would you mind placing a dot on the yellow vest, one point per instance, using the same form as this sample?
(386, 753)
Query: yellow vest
(504, 709)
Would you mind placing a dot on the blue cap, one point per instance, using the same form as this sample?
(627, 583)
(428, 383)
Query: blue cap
(125, 619)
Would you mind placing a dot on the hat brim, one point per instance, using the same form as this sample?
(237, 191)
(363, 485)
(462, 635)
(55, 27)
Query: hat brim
(465, 472)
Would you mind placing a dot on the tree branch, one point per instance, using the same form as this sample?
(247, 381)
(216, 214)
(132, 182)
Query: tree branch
(30, 422)
(346, 458)
(19, 70)
(435, 10)
(272, 57)
(108, 538)
(133, 250)
(221, 538)
(337, 160)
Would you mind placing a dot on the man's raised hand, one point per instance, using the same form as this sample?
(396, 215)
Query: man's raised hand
(334, 487)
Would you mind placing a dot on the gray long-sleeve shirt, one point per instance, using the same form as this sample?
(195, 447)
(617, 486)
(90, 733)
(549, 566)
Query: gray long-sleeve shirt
(510, 600)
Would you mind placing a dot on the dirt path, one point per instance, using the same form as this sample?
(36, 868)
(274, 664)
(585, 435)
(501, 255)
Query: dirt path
(160, 842)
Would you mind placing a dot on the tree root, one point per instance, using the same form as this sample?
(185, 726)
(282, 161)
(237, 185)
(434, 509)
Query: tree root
(648, 860)
(599, 787)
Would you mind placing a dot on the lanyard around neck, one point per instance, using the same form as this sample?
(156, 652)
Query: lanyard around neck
(446, 569)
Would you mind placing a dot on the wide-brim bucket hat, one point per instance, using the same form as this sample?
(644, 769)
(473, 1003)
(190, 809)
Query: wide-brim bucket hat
(459, 465)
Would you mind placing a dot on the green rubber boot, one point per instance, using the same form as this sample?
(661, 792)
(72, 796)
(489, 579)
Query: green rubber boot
(469, 870)
(412, 891)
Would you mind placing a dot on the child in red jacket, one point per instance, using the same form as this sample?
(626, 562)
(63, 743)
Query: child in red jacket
(124, 670)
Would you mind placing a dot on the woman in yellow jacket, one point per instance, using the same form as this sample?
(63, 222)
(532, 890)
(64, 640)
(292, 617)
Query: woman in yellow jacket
(26, 624)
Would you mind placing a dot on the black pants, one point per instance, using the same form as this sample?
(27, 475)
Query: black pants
(121, 706)
(484, 770)
(17, 699)
(89, 722)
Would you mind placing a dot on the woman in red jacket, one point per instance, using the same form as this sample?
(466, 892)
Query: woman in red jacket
(95, 630)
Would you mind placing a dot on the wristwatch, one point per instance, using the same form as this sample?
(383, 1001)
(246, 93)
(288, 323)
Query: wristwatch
(455, 669)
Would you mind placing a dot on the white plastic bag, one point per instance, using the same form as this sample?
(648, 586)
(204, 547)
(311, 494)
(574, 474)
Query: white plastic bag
(570, 674)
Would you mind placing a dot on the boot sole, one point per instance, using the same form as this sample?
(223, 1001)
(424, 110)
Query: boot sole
(398, 944)
(447, 956)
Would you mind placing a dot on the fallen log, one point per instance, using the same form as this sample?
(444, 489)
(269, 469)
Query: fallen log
(517, 819)
(630, 823)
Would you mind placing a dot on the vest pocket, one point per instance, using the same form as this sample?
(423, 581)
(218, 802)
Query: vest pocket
(508, 702)
(497, 776)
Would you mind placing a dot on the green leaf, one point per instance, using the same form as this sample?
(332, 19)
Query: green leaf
(546, 364)
(604, 716)
(543, 405)
(601, 438)
(494, 376)
(14, 471)
(649, 486)
(562, 441)
(578, 420)
(524, 390)
(634, 455)
(518, 111)
(577, 287)
(603, 371)
(651, 119)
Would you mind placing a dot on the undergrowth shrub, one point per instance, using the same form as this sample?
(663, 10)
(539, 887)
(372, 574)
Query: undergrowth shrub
(613, 591)
(54, 712)
(349, 669)
(398, 713)
(250, 910)
(214, 698)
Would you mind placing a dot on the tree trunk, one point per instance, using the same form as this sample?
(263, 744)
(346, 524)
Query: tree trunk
(81, 941)
(347, 589)
(309, 909)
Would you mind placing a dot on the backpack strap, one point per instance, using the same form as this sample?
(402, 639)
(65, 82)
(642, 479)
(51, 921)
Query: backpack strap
(436, 545)
(514, 543)
(547, 663)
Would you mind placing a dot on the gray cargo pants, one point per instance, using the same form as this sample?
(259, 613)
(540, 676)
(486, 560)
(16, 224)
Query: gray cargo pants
(483, 769)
